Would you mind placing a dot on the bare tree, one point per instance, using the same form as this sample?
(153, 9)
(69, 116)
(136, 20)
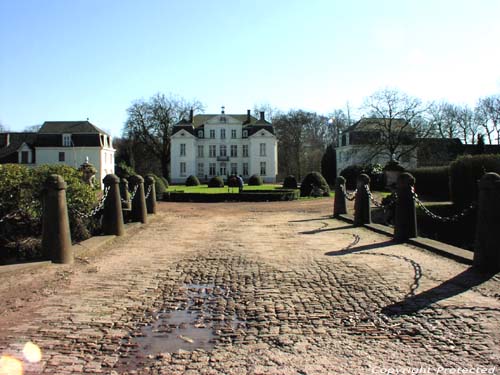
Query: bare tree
(338, 121)
(399, 121)
(33, 128)
(270, 111)
(301, 141)
(489, 107)
(150, 123)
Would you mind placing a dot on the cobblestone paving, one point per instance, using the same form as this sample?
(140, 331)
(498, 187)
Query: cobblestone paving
(271, 289)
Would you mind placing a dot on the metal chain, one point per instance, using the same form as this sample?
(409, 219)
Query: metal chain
(450, 219)
(349, 197)
(96, 209)
(150, 187)
(10, 215)
(375, 202)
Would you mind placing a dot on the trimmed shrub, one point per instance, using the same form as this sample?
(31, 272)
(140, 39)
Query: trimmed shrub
(216, 182)
(314, 183)
(465, 172)
(432, 182)
(290, 182)
(165, 181)
(192, 181)
(255, 180)
(232, 181)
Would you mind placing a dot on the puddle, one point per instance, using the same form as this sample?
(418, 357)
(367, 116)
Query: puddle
(197, 317)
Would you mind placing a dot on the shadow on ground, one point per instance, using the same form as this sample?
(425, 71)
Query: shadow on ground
(320, 230)
(357, 249)
(460, 283)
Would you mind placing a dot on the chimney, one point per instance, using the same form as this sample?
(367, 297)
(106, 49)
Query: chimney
(262, 116)
(191, 113)
(248, 115)
(222, 110)
(7, 139)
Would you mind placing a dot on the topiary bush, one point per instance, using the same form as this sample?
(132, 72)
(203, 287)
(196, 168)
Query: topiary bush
(165, 181)
(255, 180)
(216, 182)
(123, 170)
(233, 181)
(314, 183)
(465, 172)
(432, 182)
(192, 181)
(290, 182)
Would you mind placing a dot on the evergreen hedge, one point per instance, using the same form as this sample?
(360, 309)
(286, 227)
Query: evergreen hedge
(192, 181)
(432, 182)
(216, 182)
(311, 180)
(255, 180)
(465, 172)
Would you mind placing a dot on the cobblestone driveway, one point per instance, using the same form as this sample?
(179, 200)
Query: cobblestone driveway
(277, 288)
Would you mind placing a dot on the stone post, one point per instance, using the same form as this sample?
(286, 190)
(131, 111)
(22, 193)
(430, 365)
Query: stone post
(339, 203)
(149, 185)
(56, 237)
(139, 212)
(405, 224)
(362, 211)
(487, 249)
(112, 220)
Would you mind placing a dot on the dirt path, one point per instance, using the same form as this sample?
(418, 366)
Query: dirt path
(252, 288)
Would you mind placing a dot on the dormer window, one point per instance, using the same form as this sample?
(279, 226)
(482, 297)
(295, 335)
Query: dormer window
(66, 140)
(245, 133)
(200, 133)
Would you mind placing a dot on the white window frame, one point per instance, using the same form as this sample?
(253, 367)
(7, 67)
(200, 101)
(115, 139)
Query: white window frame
(212, 133)
(183, 149)
(234, 168)
(263, 171)
(182, 169)
(222, 169)
(201, 170)
(223, 133)
(245, 151)
(222, 150)
(245, 169)
(233, 134)
(212, 169)
(234, 151)
(212, 151)
(200, 151)
(66, 140)
(262, 149)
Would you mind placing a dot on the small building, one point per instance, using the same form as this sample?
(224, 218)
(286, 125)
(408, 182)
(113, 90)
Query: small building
(208, 145)
(61, 142)
(363, 143)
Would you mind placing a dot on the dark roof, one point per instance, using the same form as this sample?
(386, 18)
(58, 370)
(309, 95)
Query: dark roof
(252, 129)
(373, 124)
(199, 120)
(15, 141)
(69, 127)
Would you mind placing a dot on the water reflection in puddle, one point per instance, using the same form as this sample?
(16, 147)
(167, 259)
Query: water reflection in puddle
(197, 319)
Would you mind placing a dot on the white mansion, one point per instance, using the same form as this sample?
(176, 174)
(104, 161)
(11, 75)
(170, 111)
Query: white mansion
(210, 145)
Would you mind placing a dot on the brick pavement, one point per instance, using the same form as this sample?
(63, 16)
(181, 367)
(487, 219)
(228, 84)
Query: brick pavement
(276, 288)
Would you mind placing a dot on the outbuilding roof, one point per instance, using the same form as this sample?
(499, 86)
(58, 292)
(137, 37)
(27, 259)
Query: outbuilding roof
(69, 127)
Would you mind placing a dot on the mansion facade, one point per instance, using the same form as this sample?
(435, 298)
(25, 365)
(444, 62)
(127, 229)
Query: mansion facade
(209, 145)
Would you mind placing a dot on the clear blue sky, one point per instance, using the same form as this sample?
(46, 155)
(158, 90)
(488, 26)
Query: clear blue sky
(73, 59)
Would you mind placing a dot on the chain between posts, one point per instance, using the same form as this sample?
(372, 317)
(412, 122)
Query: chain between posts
(132, 195)
(450, 219)
(349, 197)
(148, 192)
(374, 201)
(96, 209)
(13, 214)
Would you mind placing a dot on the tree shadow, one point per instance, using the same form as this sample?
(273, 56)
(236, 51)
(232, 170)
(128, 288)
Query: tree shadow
(357, 249)
(460, 283)
(320, 230)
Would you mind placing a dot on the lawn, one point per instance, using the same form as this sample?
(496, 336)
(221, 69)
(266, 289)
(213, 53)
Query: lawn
(204, 189)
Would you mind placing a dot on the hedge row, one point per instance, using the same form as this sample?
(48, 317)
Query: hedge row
(465, 172)
(432, 182)
(250, 196)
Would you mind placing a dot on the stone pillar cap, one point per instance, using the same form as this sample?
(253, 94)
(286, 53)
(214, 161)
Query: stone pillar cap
(406, 179)
(340, 180)
(489, 180)
(150, 180)
(136, 179)
(364, 179)
(54, 181)
(111, 179)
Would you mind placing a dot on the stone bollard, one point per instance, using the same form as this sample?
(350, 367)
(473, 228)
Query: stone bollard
(139, 212)
(149, 184)
(487, 249)
(112, 220)
(405, 223)
(362, 211)
(339, 203)
(56, 237)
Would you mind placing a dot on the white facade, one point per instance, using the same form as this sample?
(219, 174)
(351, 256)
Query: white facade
(224, 145)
